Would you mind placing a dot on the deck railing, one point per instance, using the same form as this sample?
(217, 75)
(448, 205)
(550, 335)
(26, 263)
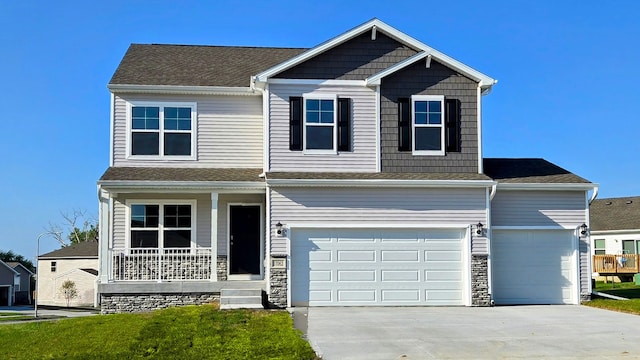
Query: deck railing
(616, 264)
(152, 264)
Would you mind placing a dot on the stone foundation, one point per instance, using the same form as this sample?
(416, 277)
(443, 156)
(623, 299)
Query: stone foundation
(585, 297)
(278, 283)
(128, 303)
(221, 267)
(480, 281)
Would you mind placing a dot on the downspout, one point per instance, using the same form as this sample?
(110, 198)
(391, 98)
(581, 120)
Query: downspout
(594, 195)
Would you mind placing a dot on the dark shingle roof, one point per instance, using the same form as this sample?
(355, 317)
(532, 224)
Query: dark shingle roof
(615, 214)
(527, 171)
(85, 249)
(374, 176)
(15, 264)
(180, 174)
(191, 65)
(91, 271)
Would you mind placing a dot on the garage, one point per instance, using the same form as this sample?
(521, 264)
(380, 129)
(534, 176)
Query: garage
(379, 267)
(5, 295)
(533, 267)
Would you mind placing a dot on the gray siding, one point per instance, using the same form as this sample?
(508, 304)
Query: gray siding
(229, 131)
(538, 208)
(355, 59)
(362, 158)
(6, 276)
(375, 207)
(436, 80)
(25, 279)
(223, 216)
(479, 245)
(584, 258)
(203, 216)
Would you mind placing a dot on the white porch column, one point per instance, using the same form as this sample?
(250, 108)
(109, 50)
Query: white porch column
(104, 235)
(214, 236)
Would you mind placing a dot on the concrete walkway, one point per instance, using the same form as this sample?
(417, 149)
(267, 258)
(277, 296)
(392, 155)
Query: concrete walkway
(508, 332)
(47, 311)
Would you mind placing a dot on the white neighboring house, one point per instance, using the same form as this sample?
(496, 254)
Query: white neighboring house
(78, 263)
(9, 282)
(615, 232)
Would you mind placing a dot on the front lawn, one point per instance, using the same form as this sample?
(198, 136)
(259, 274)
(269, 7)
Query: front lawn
(627, 290)
(192, 332)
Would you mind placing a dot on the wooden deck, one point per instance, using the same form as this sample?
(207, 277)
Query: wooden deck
(616, 264)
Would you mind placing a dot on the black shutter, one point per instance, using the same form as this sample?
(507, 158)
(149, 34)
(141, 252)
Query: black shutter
(344, 124)
(295, 123)
(404, 124)
(452, 121)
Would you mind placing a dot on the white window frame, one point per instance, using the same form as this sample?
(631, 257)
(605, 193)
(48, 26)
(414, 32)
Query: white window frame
(161, 130)
(596, 249)
(160, 229)
(312, 96)
(414, 99)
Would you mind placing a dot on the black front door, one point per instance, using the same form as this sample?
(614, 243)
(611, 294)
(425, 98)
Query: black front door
(244, 240)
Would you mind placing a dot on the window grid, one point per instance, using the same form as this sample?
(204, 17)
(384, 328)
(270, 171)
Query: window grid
(162, 130)
(320, 124)
(428, 124)
(161, 225)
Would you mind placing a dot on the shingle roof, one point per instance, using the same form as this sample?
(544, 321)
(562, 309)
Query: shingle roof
(374, 176)
(527, 171)
(180, 174)
(15, 264)
(192, 65)
(85, 249)
(615, 213)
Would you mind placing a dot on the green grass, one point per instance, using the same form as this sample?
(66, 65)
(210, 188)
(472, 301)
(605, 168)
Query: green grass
(10, 314)
(627, 290)
(192, 332)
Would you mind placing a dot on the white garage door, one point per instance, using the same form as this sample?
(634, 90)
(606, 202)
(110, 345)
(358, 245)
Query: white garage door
(358, 267)
(533, 267)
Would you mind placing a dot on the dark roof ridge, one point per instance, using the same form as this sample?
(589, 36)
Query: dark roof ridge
(224, 46)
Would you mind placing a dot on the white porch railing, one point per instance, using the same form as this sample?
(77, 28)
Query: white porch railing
(150, 264)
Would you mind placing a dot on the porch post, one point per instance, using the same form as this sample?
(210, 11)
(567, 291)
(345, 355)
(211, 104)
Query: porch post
(214, 236)
(104, 238)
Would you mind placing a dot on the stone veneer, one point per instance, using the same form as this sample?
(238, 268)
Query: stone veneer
(221, 267)
(123, 303)
(278, 283)
(480, 281)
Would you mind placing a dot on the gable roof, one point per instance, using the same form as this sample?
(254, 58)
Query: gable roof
(15, 264)
(194, 65)
(529, 171)
(4, 264)
(85, 249)
(375, 24)
(615, 214)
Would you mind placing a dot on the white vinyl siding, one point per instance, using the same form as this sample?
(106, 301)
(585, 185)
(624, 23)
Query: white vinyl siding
(229, 131)
(389, 207)
(538, 208)
(383, 267)
(362, 158)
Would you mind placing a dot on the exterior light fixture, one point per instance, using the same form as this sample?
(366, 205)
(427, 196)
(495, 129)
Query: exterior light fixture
(583, 229)
(279, 228)
(479, 228)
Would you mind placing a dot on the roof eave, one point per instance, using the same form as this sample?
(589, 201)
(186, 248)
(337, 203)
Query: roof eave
(546, 186)
(181, 89)
(380, 183)
(111, 185)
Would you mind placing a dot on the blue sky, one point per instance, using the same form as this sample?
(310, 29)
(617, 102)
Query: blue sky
(567, 90)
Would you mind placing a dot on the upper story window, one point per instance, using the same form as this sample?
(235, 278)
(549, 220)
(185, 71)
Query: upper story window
(429, 125)
(162, 130)
(320, 124)
(427, 119)
(162, 225)
(54, 266)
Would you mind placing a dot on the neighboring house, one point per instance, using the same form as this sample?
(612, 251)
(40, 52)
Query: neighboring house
(615, 236)
(78, 263)
(9, 284)
(23, 291)
(347, 174)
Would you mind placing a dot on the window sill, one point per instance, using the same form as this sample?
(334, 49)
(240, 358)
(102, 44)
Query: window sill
(161, 158)
(320, 152)
(428, 152)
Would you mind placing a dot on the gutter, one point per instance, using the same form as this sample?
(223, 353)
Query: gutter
(380, 183)
(547, 186)
(178, 89)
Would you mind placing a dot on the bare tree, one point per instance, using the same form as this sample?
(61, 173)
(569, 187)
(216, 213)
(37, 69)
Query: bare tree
(69, 291)
(77, 227)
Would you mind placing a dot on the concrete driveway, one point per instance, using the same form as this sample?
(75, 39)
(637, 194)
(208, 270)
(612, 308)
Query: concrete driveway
(504, 332)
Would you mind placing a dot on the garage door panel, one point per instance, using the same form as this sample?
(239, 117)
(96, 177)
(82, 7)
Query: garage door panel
(533, 267)
(377, 267)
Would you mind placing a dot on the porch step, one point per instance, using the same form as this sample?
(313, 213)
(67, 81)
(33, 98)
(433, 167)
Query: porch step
(241, 299)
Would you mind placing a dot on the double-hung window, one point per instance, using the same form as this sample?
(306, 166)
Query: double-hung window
(162, 130)
(162, 225)
(599, 247)
(320, 124)
(427, 120)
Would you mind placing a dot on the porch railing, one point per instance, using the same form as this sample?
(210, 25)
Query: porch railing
(150, 264)
(616, 264)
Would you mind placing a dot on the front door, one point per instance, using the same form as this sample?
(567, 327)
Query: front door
(244, 241)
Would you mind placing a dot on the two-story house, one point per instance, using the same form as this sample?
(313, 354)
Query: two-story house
(350, 173)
